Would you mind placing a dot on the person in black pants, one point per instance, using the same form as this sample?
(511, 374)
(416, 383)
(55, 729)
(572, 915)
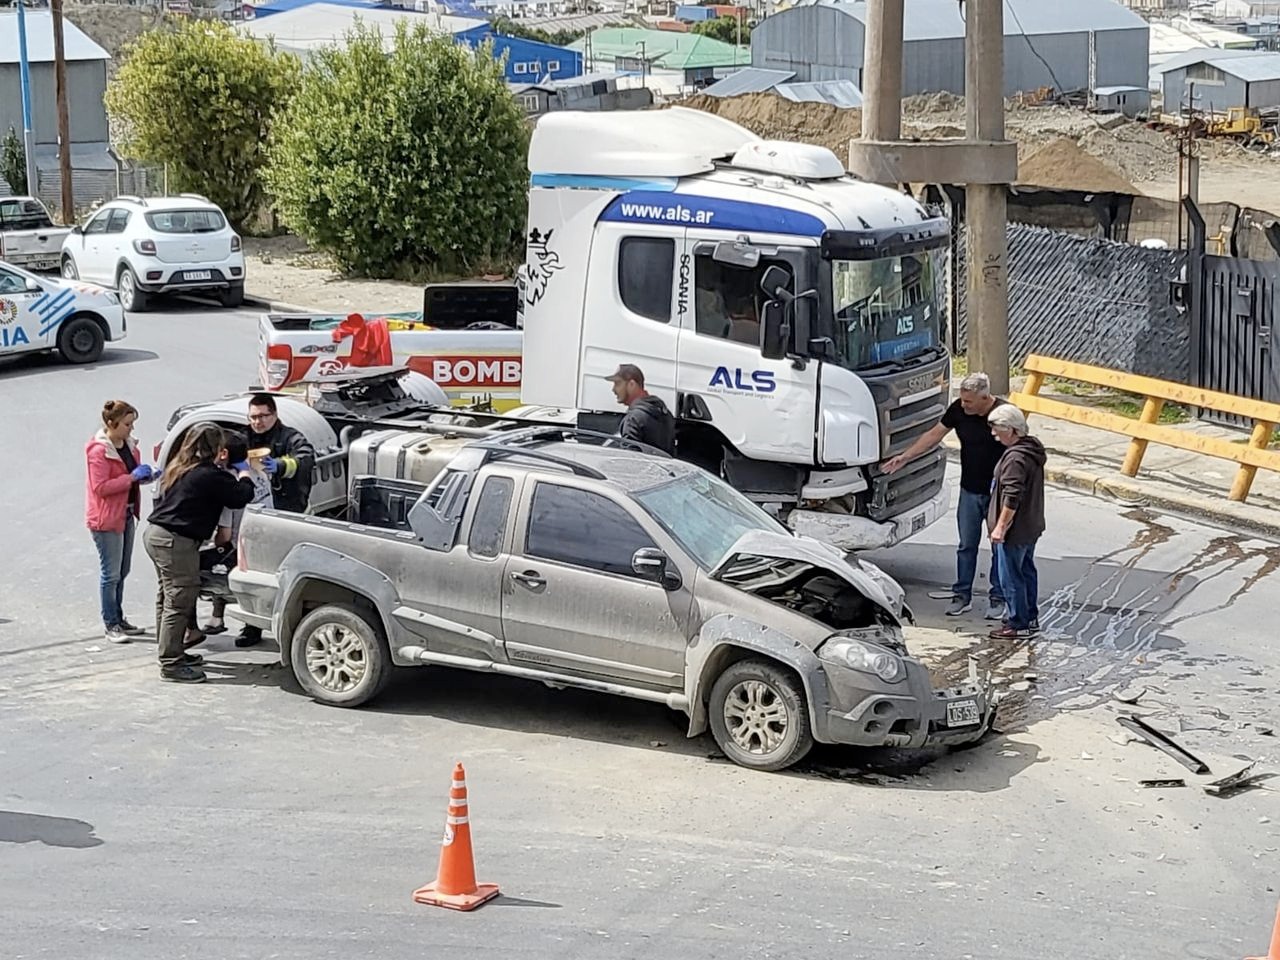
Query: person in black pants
(195, 490)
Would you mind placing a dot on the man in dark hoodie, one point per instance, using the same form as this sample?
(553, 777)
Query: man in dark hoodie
(647, 418)
(1016, 520)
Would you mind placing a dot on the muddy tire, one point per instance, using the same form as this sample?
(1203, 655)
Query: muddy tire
(759, 716)
(80, 340)
(339, 656)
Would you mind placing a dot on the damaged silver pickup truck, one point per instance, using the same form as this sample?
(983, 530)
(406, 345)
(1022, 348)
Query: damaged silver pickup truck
(580, 560)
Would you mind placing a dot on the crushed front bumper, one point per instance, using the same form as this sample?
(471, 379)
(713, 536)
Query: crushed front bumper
(867, 712)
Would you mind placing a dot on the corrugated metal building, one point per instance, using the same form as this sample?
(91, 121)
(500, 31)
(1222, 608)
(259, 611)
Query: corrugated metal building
(1217, 80)
(93, 165)
(1047, 44)
(838, 93)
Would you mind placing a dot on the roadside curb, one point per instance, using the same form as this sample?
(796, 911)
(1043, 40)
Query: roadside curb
(277, 306)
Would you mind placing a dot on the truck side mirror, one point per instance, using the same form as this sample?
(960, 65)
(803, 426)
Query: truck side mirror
(773, 331)
(775, 283)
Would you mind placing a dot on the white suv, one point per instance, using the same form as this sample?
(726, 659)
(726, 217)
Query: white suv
(161, 245)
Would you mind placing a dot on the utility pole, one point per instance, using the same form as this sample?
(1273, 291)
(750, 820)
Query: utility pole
(24, 74)
(64, 120)
(986, 204)
(983, 161)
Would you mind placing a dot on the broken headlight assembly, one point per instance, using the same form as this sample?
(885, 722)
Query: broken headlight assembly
(864, 657)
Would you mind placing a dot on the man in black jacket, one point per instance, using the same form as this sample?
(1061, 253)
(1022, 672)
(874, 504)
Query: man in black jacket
(647, 418)
(289, 465)
(1016, 520)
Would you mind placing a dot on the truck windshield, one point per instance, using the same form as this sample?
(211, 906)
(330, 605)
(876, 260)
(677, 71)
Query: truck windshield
(886, 310)
(704, 515)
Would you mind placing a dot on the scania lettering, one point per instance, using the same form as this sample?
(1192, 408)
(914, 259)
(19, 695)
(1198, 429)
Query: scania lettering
(787, 312)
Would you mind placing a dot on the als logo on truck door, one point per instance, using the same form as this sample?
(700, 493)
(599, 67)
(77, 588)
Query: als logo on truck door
(738, 380)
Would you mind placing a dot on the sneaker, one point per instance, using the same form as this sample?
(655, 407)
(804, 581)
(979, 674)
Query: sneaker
(1009, 633)
(116, 634)
(194, 659)
(130, 629)
(182, 673)
(212, 629)
(997, 610)
(248, 638)
(959, 607)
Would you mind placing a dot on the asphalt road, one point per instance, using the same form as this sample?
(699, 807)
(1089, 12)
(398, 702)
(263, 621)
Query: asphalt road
(145, 820)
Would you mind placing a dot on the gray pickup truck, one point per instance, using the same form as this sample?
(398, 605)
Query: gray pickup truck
(28, 236)
(580, 560)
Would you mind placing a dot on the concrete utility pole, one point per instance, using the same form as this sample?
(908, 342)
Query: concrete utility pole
(64, 120)
(984, 161)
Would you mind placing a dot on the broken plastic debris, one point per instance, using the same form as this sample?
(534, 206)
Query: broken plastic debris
(1130, 696)
(657, 743)
(1167, 782)
(1085, 756)
(1008, 753)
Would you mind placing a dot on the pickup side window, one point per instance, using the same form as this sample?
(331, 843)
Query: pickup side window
(489, 525)
(646, 267)
(583, 529)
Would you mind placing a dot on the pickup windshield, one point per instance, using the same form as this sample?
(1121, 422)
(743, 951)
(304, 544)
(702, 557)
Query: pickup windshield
(887, 309)
(704, 515)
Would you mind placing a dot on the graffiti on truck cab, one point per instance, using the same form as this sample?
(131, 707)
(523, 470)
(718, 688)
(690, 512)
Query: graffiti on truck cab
(542, 263)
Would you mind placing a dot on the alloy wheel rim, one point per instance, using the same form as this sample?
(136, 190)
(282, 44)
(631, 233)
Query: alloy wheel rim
(756, 717)
(336, 658)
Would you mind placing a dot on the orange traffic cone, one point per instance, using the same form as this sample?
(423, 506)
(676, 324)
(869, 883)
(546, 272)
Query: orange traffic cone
(455, 884)
(1274, 952)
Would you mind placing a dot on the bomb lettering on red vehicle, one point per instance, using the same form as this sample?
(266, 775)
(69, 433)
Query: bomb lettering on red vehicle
(476, 373)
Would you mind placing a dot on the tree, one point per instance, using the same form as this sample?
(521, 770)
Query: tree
(514, 28)
(402, 161)
(724, 28)
(13, 162)
(200, 99)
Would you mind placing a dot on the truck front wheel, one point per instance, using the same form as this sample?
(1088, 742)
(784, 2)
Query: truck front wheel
(759, 717)
(339, 657)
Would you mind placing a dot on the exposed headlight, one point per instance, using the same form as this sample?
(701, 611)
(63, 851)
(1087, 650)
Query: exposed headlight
(865, 658)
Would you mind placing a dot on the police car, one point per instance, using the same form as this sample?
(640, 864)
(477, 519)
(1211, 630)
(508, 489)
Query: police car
(44, 313)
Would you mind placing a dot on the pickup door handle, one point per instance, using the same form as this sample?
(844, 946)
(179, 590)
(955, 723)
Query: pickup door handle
(529, 578)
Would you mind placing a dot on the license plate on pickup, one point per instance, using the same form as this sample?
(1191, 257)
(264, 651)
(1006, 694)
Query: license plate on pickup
(198, 275)
(917, 523)
(42, 264)
(962, 713)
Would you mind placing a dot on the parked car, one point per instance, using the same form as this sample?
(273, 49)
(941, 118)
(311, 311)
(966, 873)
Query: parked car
(581, 560)
(28, 236)
(47, 313)
(161, 245)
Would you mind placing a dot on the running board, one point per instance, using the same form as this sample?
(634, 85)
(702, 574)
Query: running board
(676, 701)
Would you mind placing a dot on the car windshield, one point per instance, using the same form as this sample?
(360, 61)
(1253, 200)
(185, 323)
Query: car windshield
(186, 221)
(886, 309)
(705, 515)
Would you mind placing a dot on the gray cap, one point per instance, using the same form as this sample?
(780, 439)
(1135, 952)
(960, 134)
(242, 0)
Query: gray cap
(627, 371)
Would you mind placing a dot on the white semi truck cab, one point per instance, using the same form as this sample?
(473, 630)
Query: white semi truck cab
(788, 313)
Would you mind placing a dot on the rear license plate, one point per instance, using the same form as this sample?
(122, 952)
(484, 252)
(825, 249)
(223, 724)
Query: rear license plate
(42, 264)
(962, 713)
(198, 275)
(917, 523)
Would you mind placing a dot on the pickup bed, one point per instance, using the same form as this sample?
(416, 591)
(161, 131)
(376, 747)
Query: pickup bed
(577, 559)
(28, 237)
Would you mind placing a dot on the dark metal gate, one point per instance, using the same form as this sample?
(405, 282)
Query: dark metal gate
(1233, 319)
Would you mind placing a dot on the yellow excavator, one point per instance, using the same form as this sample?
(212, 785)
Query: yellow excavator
(1243, 124)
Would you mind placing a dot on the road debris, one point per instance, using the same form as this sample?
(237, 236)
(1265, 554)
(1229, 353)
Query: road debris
(1237, 782)
(1130, 696)
(1161, 784)
(1163, 742)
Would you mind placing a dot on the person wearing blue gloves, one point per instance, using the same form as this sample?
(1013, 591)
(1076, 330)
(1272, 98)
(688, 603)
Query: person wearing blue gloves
(194, 492)
(112, 508)
(290, 463)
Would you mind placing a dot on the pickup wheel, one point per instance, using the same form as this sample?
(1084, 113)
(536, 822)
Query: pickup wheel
(80, 340)
(759, 717)
(339, 657)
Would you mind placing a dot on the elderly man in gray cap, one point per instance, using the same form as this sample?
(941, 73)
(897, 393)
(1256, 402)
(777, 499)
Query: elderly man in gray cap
(979, 454)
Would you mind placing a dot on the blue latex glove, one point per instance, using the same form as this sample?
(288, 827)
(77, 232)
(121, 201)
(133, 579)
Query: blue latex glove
(142, 473)
(241, 467)
(269, 464)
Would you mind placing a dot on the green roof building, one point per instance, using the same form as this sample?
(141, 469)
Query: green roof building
(638, 49)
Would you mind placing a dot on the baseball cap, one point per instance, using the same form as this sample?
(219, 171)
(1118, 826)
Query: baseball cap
(627, 371)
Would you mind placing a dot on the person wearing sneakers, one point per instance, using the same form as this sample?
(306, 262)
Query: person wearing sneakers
(979, 454)
(289, 466)
(195, 490)
(112, 508)
(223, 552)
(1016, 520)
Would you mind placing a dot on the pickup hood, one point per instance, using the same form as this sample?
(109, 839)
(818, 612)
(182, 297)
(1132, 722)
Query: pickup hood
(742, 567)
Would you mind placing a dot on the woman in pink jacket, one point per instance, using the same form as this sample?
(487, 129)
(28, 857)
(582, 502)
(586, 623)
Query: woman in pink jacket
(112, 501)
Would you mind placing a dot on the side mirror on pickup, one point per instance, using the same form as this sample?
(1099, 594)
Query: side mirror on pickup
(652, 564)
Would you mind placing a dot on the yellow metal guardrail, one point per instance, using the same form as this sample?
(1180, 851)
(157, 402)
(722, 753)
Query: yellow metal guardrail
(1156, 393)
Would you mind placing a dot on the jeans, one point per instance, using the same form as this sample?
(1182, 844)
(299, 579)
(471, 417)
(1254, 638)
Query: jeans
(1021, 582)
(971, 514)
(177, 561)
(115, 552)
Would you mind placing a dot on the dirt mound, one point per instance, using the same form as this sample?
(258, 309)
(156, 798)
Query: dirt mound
(113, 26)
(1065, 165)
(777, 118)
